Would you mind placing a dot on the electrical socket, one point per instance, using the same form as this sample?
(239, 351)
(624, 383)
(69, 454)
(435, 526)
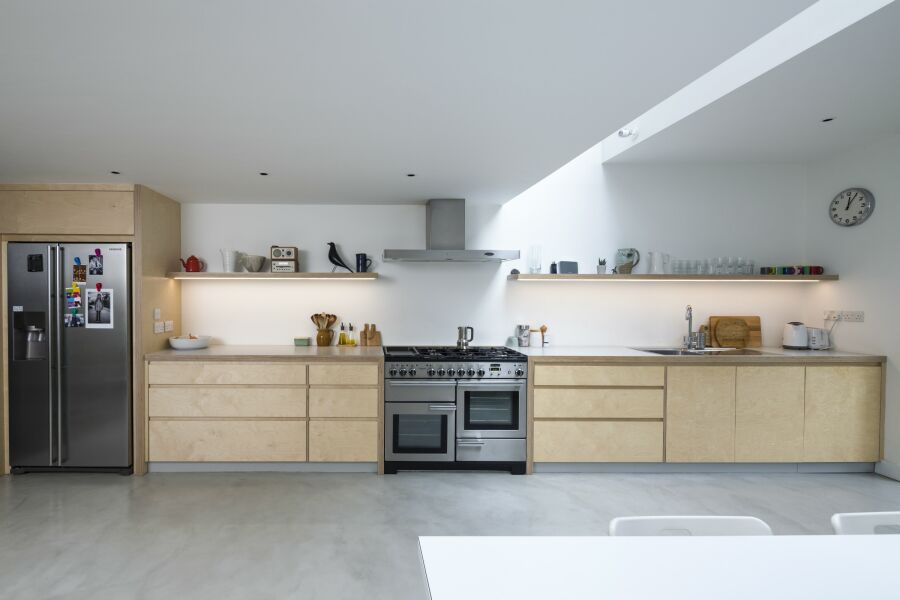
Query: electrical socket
(170, 325)
(157, 314)
(850, 316)
(158, 327)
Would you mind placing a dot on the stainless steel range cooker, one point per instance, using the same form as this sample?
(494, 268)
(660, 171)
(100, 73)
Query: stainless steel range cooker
(455, 408)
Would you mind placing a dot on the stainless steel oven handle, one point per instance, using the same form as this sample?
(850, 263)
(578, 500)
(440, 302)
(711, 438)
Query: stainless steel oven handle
(470, 442)
(492, 383)
(442, 407)
(419, 382)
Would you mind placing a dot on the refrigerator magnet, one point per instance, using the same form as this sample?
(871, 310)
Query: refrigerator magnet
(79, 272)
(73, 319)
(95, 263)
(100, 308)
(73, 297)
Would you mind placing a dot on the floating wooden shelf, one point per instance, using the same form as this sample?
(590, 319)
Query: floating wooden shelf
(269, 276)
(675, 278)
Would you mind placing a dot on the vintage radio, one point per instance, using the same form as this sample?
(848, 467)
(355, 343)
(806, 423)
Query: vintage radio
(284, 259)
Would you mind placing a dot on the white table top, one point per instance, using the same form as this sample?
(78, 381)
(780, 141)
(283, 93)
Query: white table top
(674, 568)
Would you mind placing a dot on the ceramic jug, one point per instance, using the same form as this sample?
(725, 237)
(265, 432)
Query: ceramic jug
(232, 260)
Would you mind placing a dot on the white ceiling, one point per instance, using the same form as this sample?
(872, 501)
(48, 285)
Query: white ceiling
(338, 100)
(853, 76)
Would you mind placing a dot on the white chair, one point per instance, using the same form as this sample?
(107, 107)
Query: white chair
(867, 523)
(703, 525)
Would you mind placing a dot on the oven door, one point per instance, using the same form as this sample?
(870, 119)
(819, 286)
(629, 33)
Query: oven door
(420, 431)
(490, 409)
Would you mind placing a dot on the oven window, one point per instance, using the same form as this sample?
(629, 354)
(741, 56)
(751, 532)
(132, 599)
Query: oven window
(485, 409)
(420, 434)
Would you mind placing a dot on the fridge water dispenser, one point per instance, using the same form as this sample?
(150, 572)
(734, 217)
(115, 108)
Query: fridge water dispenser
(29, 336)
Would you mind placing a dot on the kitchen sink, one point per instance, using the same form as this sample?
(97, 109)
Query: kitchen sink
(706, 352)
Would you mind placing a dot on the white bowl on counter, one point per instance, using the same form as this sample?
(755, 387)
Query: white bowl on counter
(197, 342)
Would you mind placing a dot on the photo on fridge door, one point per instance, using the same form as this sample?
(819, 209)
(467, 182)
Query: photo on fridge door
(100, 309)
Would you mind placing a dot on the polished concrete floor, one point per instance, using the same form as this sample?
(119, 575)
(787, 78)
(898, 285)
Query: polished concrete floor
(312, 536)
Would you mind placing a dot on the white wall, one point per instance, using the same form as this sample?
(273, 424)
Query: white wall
(581, 212)
(868, 259)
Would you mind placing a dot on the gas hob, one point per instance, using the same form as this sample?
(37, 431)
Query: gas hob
(448, 362)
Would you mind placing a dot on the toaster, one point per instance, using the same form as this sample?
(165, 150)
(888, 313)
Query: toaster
(796, 336)
(818, 338)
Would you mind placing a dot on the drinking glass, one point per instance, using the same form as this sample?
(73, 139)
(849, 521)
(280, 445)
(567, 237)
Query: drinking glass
(534, 259)
(730, 265)
(720, 265)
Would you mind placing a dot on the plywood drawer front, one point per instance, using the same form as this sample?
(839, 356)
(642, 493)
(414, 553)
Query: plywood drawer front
(200, 373)
(347, 374)
(599, 375)
(598, 441)
(843, 414)
(343, 441)
(343, 402)
(588, 403)
(195, 440)
(220, 401)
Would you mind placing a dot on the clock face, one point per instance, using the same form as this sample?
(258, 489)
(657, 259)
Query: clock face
(851, 207)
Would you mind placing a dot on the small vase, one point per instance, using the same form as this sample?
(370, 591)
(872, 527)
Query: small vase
(324, 337)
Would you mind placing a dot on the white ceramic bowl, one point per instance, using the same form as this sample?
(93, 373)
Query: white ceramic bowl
(185, 343)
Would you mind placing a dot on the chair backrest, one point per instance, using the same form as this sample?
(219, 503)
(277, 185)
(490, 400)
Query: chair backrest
(866, 523)
(697, 525)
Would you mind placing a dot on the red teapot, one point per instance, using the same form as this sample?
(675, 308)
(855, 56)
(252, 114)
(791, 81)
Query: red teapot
(192, 264)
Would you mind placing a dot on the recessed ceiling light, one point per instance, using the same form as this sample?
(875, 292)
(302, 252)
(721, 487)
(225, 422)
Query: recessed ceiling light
(410, 174)
(116, 172)
(263, 173)
(828, 119)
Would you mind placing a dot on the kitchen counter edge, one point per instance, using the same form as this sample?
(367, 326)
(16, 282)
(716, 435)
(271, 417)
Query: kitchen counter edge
(272, 353)
(623, 354)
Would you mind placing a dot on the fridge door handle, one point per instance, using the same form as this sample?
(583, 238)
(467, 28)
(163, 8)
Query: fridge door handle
(51, 330)
(59, 370)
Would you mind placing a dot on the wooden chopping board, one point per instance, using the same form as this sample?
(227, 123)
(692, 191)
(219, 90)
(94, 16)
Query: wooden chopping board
(735, 332)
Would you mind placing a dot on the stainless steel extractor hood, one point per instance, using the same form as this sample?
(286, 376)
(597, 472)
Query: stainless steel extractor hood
(445, 238)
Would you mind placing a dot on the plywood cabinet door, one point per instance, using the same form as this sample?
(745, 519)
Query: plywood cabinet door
(769, 414)
(843, 414)
(700, 414)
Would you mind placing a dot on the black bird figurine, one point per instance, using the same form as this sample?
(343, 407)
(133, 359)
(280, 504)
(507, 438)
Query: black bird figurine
(335, 258)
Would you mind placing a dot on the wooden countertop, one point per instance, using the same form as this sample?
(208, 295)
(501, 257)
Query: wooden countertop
(623, 354)
(272, 353)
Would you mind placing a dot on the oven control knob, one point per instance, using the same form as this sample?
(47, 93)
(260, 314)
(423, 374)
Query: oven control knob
(431, 372)
(470, 372)
(393, 372)
(402, 372)
(412, 372)
(519, 372)
(441, 372)
(451, 372)
(481, 372)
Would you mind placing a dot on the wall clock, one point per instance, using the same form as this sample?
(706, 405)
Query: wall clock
(851, 207)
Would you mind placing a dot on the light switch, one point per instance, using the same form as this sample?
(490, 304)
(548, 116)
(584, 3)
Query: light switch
(158, 327)
(170, 325)
(157, 314)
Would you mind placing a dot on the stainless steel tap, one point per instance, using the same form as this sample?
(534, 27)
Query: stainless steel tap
(693, 340)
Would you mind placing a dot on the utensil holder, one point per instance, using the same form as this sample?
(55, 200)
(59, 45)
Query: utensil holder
(324, 337)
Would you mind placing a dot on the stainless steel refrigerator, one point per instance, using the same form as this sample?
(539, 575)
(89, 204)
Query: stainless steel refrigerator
(69, 353)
